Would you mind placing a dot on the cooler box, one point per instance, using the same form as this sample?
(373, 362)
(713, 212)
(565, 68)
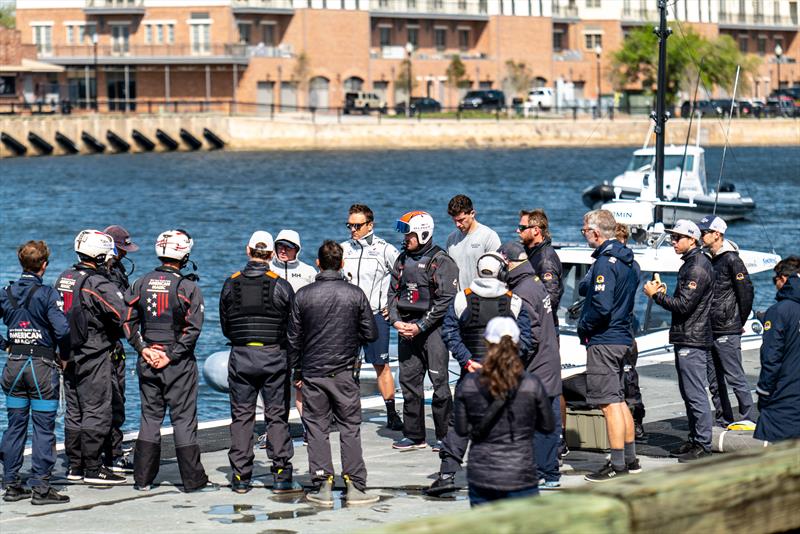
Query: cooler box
(586, 429)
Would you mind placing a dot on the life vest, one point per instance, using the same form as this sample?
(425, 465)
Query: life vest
(415, 282)
(481, 310)
(253, 317)
(70, 285)
(160, 309)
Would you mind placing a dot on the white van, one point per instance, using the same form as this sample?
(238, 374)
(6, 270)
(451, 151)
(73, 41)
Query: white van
(542, 98)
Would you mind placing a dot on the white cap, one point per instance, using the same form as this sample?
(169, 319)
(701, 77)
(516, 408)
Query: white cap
(490, 265)
(712, 222)
(687, 228)
(264, 239)
(499, 327)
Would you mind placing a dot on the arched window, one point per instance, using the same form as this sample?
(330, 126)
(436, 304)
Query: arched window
(318, 92)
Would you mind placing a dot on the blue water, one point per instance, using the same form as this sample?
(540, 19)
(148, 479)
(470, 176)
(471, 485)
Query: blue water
(222, 197)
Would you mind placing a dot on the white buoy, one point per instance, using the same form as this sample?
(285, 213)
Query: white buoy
(215, 371)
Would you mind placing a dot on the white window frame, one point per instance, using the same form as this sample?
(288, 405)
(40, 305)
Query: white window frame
(201, 46)
(46, 48)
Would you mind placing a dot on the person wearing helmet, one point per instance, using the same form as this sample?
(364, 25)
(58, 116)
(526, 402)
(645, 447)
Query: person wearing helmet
(286, 264)
(163, 325)
(254, 309)
(114, 455)
(486, 297)
(368, 262)
(37, 327)
(96, 309)
(423, 284)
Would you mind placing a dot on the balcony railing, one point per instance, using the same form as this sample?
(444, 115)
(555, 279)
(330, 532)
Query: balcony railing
(114, 7)
(399, 52)
(565, 12)
(121, 53)
(639, 15)
(756, 19)
(262, 6)
(431, 7)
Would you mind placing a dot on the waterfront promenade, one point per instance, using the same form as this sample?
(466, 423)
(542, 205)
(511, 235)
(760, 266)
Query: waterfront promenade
(397, 476)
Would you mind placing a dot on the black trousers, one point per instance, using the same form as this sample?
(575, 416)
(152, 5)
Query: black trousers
(254, 371)
(454, 446)
(92, 406)
(72, 418)
(117, 401)
(173, 387)
(425, 353)
(336, 397)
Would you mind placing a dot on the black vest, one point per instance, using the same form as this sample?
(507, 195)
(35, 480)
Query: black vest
(482, 310)
(253, 317)
(415, 282)
(160, 309)
(70, 280)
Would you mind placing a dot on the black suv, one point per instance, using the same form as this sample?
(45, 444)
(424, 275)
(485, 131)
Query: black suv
(485, 100)
(419, 105)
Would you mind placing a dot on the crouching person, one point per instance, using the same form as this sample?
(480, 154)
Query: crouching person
(331, 319)
(499, 408)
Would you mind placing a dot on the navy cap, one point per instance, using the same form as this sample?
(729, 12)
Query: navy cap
(712, 222)
(513, 251)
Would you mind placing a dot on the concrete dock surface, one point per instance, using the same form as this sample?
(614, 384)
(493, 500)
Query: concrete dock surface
(397, 477)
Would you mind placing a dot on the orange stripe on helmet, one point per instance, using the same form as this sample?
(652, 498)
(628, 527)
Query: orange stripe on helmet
(411, 214)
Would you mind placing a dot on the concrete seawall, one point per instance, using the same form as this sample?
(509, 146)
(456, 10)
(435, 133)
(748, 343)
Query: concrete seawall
(287, 132)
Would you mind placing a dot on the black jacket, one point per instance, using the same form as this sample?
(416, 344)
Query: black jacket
(547, 266)
(779, 380)
(331, 319)
(690, 303)
(733, 292)
(544, 359)
(504, 460)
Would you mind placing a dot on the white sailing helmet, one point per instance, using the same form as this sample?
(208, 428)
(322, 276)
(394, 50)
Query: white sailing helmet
(416, 222)
(174, 245)
(95, 244)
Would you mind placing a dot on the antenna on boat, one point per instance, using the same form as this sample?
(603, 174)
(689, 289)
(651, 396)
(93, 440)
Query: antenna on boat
(727, 134)
(660, 114)
(688, 134)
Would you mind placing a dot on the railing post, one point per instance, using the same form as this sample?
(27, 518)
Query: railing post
(574, 113)
(272, 111)
(339, 115)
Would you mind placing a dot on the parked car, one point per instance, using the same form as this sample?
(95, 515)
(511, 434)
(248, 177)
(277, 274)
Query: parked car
(419, 104)
(704, 107)
(542, 97)
(363, 103)
(486, 100)
(781, 106)
(750, 107)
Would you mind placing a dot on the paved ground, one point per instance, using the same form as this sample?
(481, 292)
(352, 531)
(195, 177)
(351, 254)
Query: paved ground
(396, 476)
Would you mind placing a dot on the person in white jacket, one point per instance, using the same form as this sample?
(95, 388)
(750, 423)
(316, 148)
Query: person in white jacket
(285, 263)
(368, 262)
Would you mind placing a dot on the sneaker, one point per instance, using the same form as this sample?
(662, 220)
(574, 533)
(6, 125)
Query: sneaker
(240, 486)
(51, 496)
(407, 444)
(145, 487)
(436, 447)
(353, 495)
(695, 453)
(262, 441)
(550, 485)
(605, 474)
(563, 450)
(103, 476)
(685, 447)
(208, 488)
(122, 464)
(634, 467)
(393, 422)
(75, 474)
(286, 486)
(323, 495)
(638, 431)
(444, 483)
(16, 492)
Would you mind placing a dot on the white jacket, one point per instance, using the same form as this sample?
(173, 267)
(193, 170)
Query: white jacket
(368, 263)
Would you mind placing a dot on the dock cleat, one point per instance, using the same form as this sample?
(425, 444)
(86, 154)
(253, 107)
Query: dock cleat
(323, 495)
(355, 496)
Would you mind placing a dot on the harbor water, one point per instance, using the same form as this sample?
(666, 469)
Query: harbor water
(220, 198)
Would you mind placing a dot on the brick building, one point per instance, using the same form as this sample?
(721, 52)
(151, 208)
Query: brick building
(22, 77)
(311, 52)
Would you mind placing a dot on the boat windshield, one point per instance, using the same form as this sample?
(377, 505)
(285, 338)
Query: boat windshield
(641, 163)
(648, 317)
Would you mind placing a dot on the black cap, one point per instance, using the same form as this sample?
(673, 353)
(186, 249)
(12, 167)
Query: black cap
(513, 251)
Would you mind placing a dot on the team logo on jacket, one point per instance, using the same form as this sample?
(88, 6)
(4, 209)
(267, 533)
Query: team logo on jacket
(740, 276)
(767, 325)
(24, 324)
(692, 285)
(600, 279)
(548, 276)
(412, 295)
(158, 296)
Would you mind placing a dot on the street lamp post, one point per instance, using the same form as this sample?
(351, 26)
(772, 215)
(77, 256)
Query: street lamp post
(778, 56)
(96, 74)
(409, 51)
(598, 50)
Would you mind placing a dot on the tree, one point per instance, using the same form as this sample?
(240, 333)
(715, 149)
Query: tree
(7, 18)
(637, 62)
(301, 71)
(457, 73)
(401, 82)
(519, 76)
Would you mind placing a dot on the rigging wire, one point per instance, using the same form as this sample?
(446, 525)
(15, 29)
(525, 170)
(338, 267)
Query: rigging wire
(725, 148)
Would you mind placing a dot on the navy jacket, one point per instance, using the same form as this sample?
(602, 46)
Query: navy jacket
(48, 322)
(607, 311)
(779, 382)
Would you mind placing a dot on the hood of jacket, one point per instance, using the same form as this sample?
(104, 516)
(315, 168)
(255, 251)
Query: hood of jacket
(615, 249)
(292, 237)
(727, 246)
(522, 270)
(488, 287)
(790, 290)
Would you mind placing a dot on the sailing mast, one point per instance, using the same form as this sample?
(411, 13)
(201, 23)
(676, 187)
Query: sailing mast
(660, 115)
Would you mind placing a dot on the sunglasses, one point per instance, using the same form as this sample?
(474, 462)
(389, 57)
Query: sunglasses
(522, 227)
(675, 237)
(355, 226)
